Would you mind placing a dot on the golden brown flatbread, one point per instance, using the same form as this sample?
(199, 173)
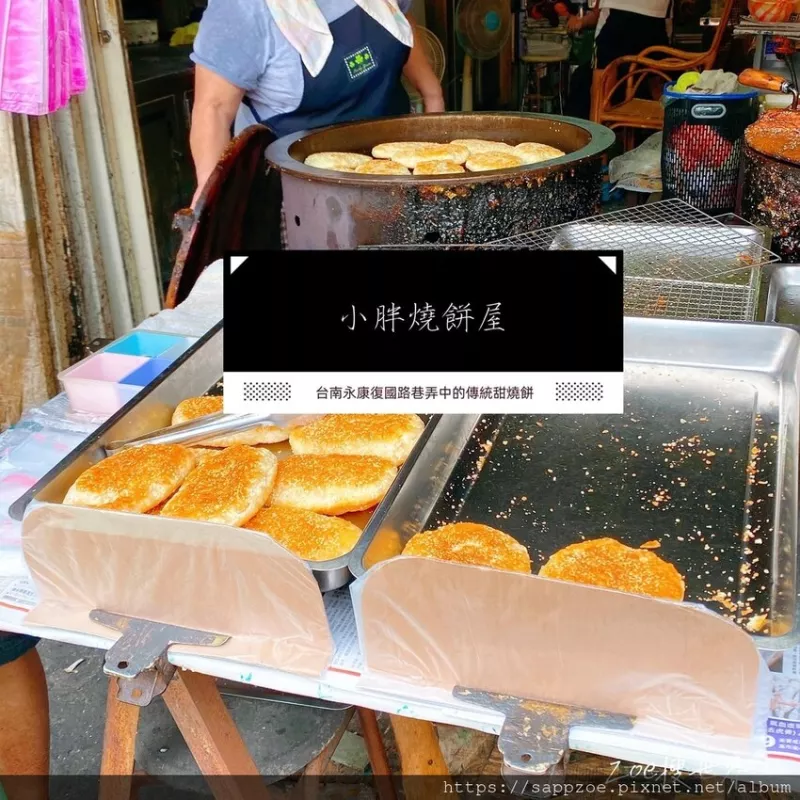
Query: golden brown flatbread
(332, 484)
(382, 168)
(135, 480)
(310, 536)
(471, 543)
(228, 489)
(338, 162)
(533, 153)
(388, 436)
(437, 168)
(476, 146)
(612, 565)
(389, 149)
(433, 152)
(486, 162)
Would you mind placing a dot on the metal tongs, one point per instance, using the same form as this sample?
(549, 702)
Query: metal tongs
(210, 427)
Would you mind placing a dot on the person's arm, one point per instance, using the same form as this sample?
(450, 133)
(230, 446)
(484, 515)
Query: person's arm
(588, 20)
(230, 54)
(216, 102)
(419, 73)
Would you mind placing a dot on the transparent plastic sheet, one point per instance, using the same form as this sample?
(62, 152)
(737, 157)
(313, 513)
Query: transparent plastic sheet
(197, 575)
(199, 312)
(687, 675)
(40, 439)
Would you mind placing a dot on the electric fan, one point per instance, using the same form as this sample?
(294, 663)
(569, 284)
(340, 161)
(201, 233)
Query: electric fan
(482, 28)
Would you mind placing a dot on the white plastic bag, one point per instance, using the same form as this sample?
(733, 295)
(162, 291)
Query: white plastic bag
(638, 170)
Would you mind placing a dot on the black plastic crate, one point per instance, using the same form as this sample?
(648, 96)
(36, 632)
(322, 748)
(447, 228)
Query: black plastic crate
(702, 147)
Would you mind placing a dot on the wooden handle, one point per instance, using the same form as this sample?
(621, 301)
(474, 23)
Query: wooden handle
(757, 79)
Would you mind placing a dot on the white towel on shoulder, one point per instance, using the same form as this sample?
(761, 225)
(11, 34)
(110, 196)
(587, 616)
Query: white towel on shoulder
(305, 28)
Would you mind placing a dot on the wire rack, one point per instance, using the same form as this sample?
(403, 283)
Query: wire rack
(672, 251)
(670, 240)
(646, 297)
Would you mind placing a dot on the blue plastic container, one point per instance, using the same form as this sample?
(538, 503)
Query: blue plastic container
(147, 373)
(146, 344)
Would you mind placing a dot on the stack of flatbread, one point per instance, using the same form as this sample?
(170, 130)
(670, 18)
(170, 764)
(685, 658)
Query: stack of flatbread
(431, 158)
(338, 465)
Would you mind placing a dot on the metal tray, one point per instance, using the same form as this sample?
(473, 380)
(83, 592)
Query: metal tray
(197, 372)
(641, 476)
(783, 297)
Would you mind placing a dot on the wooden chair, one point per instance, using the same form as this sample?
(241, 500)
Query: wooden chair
(239, 209)
(617, 89)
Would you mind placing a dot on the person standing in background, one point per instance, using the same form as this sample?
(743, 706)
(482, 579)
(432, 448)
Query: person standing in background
(625, 27)
(621, 28)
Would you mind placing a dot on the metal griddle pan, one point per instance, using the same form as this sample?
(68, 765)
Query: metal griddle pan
(195, 373)
(678, 467)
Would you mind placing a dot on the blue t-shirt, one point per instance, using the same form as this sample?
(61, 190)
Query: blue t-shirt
(239, 41)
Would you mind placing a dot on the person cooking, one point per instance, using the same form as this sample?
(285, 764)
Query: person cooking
(297, 65)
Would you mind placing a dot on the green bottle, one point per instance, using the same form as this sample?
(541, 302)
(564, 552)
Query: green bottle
(582, 48)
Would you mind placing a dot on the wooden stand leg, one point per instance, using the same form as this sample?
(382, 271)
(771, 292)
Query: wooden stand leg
(214, 740)
(309, 783)
(119, 747)
(420, 758)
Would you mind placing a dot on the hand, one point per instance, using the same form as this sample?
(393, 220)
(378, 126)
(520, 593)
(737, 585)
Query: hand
(575, 24)
(434, 103)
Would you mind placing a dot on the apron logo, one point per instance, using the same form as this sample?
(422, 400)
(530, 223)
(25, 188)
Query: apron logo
(360, 63)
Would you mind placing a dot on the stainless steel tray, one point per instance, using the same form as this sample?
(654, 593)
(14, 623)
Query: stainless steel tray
(551, 481)
(783, 297)
(197, 372)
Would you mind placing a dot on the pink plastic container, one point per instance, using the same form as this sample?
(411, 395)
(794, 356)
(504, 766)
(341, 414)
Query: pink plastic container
(92, 385)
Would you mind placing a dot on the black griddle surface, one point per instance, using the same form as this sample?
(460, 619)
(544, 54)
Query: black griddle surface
(660, 472)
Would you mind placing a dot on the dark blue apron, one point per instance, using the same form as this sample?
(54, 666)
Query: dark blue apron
(360, 79)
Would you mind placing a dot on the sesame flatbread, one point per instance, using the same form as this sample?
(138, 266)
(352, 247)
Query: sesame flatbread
(389, 149)
(435, 152)
(437, 168)
(486, 162)
(382, 168)
(476, 146)
(338, 162)
(533, 153)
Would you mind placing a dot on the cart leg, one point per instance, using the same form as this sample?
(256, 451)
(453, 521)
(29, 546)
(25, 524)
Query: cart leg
(214, 740)
(421, 758)
(119, 747)
(309, 783)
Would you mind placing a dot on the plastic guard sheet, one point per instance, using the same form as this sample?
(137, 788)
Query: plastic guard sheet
(198, 575)
(686, 674)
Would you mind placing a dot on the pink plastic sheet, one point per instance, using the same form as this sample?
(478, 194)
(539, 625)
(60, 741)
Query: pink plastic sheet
(42, 60)
(440, 625)
(193, 574)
